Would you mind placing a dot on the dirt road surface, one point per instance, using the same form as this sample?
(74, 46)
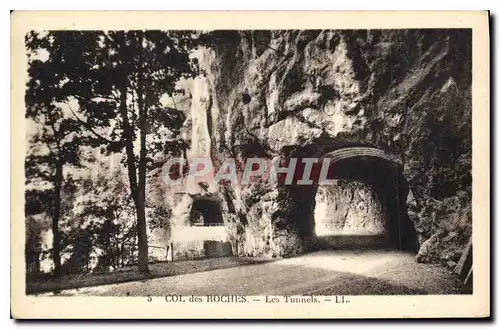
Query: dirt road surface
(330, 272)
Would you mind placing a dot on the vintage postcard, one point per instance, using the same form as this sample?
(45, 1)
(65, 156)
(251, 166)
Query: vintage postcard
(250, 165)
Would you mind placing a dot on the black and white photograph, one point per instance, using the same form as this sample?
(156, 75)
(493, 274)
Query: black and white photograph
(195, 165)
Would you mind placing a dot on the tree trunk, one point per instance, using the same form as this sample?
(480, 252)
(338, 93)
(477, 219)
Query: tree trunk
(116, 253)
(137, 192)
(122, 255)
(141, 187)
(56, 235)
(142, 236)
(128, 137)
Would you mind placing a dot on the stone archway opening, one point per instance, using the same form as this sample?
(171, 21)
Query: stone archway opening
(365, 204)
(206, 212)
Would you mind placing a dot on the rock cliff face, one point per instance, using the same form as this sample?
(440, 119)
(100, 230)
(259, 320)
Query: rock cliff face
(282, 94)
(349, 207)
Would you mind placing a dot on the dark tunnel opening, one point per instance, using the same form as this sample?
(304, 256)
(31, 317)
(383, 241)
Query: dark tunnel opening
(371, 175)
(206, 212)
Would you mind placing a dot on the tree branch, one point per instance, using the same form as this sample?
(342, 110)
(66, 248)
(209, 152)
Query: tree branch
(113, 97)
(89, 127)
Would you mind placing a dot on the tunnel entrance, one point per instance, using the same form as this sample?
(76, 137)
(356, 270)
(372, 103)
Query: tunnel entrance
(206, 212)
(365, 206)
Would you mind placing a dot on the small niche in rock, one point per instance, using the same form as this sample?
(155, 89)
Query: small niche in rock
(246, 98)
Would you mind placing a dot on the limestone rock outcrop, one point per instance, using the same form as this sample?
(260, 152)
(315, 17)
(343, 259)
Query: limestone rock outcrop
(349, 207)
(282, 94)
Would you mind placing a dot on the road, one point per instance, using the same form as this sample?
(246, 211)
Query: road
(331, 272)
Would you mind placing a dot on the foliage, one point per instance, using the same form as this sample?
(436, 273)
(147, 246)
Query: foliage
(106, 87)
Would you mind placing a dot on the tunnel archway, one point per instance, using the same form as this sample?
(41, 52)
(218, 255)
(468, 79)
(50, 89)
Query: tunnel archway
(206, 212)
(379, 177)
